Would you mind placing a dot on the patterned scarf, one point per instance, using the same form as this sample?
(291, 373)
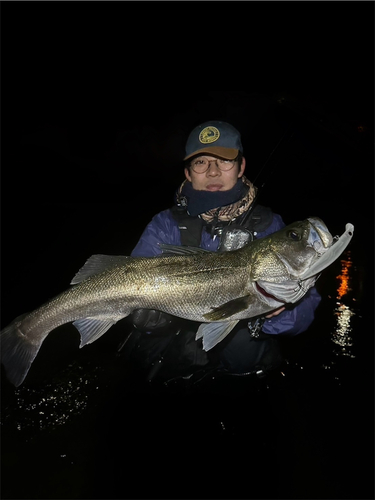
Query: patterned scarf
(222, 205)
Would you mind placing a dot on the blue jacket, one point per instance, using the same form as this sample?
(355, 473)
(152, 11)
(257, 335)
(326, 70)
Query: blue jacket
(163, 228)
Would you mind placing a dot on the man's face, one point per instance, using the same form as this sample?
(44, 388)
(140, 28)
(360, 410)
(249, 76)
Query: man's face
(214, 178)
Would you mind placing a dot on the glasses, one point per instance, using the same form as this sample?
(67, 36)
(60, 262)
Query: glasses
(201, 165)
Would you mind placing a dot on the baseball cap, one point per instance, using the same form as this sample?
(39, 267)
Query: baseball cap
(214, 137)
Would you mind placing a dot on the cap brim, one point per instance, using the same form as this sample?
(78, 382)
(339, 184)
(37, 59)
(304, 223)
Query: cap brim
(226, 153)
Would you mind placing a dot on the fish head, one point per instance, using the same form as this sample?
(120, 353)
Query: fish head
(288, 262)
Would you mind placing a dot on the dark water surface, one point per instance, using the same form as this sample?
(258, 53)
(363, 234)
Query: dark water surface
(85, 424)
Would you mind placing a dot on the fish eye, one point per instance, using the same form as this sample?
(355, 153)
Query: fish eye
(294, 235)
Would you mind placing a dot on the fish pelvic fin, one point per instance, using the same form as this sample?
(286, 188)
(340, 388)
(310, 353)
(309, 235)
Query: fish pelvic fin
(91, 329)
(213, 333)
(17, 352)
(228, 309)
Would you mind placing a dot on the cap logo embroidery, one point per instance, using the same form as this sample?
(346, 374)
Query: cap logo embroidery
(208, 135)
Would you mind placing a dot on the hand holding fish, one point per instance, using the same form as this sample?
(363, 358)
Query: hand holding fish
(276, 313)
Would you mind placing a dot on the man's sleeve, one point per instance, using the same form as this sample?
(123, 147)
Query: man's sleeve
(162, 229)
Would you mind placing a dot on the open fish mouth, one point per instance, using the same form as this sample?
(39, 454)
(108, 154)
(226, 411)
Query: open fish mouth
(327, 249)
(327, 254)
(320, 239)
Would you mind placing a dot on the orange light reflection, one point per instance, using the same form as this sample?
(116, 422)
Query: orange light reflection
(344, 277)
(343, 313)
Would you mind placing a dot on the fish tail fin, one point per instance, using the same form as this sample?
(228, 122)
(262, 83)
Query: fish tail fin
(17, 352)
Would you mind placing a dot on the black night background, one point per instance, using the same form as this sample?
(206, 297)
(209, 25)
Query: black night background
(97, 101)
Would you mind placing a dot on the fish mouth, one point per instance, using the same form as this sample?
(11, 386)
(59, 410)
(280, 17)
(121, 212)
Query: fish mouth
(326, 249)
(329, 250)
(319, 236)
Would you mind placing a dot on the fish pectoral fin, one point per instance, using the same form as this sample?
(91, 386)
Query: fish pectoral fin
(93, 328)
(213, 333)
(228, 309)
(97, 264)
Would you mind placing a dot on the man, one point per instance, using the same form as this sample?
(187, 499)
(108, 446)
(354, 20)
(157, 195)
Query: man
(216, 210)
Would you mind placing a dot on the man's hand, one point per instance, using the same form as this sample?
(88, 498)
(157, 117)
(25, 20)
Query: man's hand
(276, 312)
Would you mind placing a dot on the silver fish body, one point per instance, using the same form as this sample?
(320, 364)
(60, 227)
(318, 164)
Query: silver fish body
(215, 289)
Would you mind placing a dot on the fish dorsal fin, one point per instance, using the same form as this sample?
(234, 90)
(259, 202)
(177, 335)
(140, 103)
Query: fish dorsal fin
(213, 333)
(228, 309)
(181, 249)
(97, 264)
(93, 328)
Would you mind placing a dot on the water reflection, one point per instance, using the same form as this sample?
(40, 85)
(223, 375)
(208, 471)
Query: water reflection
(343, 312)
(53, 404)
(343, 277)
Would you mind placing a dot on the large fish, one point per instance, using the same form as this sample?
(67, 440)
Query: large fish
(213, 288)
